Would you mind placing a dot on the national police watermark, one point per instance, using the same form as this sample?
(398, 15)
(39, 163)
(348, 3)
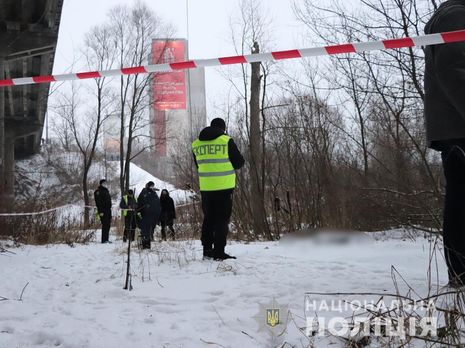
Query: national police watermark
(382, 318)
(343, 316)
(273, 318)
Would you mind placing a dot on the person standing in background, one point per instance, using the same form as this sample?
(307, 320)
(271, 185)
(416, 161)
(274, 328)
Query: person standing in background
(102, 199)
(148, 204)
(168, 214)
(128, 207)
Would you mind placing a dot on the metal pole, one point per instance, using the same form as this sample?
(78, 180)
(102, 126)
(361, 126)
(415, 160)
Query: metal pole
(191, 131)
(46, 127)
(189, 76)
(2, 135)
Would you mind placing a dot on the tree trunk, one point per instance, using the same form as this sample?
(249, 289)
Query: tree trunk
(121, 138)
(260, 223)
(86, 196)
(127, 162)
(2, 140)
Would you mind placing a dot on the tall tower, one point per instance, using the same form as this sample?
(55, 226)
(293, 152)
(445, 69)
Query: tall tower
(178, 104)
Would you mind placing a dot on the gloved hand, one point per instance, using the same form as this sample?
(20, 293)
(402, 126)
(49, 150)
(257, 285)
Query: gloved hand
(101, 214)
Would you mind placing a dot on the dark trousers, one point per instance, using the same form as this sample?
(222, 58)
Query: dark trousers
(217, 209)
(152, 230)
(453, 158)
(129, 226)
(168, 223)
(106, 223)
(147, 226)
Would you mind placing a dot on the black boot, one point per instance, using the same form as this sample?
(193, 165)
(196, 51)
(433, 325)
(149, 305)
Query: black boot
(220, 255)
(208, 252)
(146, 242)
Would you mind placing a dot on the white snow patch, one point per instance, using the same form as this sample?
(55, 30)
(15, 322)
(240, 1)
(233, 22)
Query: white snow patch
(140, 177)
(75, 296)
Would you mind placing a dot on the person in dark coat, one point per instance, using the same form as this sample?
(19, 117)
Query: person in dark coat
(128, 207)
(144, 190)
(168, 214)
(445, 127)
(148, 204)
(103, 202)
(217, 158)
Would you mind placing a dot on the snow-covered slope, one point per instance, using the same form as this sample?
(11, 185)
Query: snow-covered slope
(139, 177)
(56, 177)
(75, 296)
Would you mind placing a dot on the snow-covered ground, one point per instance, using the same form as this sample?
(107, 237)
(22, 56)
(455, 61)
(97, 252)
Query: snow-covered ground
(75, 296)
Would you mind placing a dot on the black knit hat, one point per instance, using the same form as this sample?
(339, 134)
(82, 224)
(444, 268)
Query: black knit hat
(102, 181)
(218, 123)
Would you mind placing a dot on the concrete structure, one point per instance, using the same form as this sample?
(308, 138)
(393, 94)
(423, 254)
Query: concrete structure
(28, 37)
(179, 106)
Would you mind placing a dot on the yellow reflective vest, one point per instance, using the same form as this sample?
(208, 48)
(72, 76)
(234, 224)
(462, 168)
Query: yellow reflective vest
(124, 211)
(216, 171)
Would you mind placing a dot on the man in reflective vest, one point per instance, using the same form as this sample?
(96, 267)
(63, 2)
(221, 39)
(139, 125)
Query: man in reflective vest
(128, 207)
(217, 158)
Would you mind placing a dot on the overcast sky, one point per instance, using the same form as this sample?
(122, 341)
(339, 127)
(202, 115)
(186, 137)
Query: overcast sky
(209, 29)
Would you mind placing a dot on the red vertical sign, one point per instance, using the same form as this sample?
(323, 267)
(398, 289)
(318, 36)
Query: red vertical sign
(168, 89)
(159, 131)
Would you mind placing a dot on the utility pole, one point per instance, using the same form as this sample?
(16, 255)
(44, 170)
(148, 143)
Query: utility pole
(191, 136)
(260, 222)
(189, 96)
(2, 137)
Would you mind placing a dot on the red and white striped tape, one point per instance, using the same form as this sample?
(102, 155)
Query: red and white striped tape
(358, 47)
(74, 205)
(46, 211)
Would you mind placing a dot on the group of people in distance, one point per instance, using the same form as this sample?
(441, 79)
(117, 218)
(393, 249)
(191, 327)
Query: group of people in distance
(146, 212)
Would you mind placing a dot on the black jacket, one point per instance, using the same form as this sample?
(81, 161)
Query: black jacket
(168, 211)
(445, 78)
(235, 156)
(102, 200)
(148, 204)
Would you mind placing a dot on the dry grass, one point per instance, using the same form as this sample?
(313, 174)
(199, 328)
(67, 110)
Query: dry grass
(50, 228)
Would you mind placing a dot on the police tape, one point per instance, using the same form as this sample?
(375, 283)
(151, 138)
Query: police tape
(51, 210)
(356, 47)
(43, 212)
(187, 204)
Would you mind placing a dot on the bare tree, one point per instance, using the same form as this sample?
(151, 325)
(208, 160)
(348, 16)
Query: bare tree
(385, 93)
(84, 121)
(257, 151)
(248, 30)
(133, 29)
(85, 126)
